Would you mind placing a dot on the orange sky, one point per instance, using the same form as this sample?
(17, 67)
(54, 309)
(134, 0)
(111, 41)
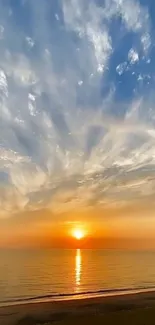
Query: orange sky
(103, 228)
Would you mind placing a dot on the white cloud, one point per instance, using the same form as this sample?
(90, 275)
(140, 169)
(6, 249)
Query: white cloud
(3, 86)
(121, 68)
(58, 132)
(30, 41)
(27, 180)
(133, 56)
(1, 32)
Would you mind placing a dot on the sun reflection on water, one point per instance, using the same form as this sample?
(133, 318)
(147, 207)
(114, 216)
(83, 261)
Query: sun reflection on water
(78, 261)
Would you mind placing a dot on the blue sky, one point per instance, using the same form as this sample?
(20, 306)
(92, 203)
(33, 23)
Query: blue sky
(77, 109)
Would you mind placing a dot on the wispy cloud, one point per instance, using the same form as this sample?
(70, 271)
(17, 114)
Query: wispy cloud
(68, 137)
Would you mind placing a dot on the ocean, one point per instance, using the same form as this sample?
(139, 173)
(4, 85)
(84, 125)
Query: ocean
(28, 275)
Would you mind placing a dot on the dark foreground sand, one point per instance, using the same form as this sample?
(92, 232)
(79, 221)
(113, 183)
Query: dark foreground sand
(131, 309)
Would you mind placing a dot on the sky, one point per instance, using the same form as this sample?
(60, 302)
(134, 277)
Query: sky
(77, 122)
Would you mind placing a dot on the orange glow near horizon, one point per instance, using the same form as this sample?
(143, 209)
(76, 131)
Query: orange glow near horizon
(79, 230)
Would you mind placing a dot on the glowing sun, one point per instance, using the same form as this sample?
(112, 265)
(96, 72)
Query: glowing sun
(78, 234)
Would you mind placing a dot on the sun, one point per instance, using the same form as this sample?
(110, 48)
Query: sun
(78, 234)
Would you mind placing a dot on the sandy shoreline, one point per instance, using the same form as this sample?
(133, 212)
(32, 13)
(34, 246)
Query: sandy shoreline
(76, 296)
(61, 312)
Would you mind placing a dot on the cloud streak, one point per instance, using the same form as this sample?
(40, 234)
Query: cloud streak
(68, 138)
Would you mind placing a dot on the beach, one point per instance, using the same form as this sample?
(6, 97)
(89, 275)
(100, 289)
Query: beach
(138, 309)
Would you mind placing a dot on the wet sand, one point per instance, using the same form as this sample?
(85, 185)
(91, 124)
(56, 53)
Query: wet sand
(135, 309)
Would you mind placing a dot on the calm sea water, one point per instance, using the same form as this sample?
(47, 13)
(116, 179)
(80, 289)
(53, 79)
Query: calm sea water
(41, 273)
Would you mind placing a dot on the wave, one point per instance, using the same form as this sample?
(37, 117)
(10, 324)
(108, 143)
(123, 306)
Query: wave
(75, 295)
